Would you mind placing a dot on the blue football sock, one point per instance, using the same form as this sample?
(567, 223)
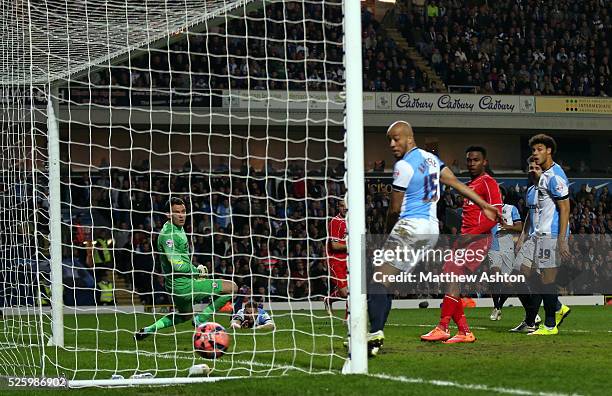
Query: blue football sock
(379, 305)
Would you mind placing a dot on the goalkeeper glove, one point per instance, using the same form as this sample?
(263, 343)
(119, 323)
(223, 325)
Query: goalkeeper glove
(202, 270)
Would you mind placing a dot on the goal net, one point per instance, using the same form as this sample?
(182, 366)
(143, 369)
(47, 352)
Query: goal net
(111, 108)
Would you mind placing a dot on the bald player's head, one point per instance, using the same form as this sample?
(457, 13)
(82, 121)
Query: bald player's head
(401, 138)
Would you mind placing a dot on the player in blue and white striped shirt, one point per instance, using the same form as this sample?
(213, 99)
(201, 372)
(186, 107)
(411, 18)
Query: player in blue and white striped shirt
(525, 262)
(552, 227)
(252, 316)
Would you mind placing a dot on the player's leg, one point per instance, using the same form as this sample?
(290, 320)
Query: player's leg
(562, 312)
(529, 300)
(495, 258)
(415, 234)
(550, 295)
(479, 246)
(379, 298)
(221, 291)
(448, 307)
(450, 302)
(339, 294)
(524, 265)
(464, 335)
(507, 263)
(338, 279)
(183, 307)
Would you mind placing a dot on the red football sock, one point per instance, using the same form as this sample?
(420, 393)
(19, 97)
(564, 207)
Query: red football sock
(459, 318)
(449, 306)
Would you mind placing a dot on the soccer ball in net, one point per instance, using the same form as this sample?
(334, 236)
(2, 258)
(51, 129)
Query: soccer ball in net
(211, 340)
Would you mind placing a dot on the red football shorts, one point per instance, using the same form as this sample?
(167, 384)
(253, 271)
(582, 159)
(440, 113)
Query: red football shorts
(468, 254)
(337, 270)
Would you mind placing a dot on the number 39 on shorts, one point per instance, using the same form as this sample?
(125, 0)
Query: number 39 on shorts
(544, 254)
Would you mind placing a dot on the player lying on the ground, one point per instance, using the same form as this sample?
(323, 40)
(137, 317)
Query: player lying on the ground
(252, 316)
(187, 283)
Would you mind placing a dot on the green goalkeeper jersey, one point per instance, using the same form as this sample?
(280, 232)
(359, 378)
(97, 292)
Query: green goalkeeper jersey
(173, 246)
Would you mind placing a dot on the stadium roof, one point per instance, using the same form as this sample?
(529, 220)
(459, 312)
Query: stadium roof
(48, 40)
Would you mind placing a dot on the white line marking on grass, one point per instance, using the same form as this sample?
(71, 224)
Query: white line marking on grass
(476, 387)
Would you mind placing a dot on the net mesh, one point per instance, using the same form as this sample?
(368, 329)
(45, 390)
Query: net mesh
(236, 107)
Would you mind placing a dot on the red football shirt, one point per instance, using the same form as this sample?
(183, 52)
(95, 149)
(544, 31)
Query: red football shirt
(473, 220)
(336, 231)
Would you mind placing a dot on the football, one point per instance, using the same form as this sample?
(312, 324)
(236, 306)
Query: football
(211, 340)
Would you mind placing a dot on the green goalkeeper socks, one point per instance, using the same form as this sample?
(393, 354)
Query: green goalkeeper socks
(167, 321)
(213, 307)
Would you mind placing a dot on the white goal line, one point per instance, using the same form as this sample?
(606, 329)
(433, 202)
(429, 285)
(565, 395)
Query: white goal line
(472, 387)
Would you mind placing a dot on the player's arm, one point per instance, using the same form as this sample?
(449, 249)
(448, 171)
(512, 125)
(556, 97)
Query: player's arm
(267, 326)
(517, 223)
(237, 319)
(402, 174)
(448, 178)
(559, 190)
(395, 207)
(521, 237)
(179, 261)
(336, 243)
(564, 211)
(265, 322)
(235, 324)
(516, 227)
(338, 247)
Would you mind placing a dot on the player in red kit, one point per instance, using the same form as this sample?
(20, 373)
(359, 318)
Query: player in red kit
(476, 236)
(336, 257)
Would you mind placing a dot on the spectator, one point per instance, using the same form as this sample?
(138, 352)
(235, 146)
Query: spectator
(554, 53)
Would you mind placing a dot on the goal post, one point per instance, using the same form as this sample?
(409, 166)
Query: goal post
(55, 221)
(251, 111)
(358, 359)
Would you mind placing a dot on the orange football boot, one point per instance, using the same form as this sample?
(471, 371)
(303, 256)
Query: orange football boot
(468, 302)
(461, 338)
(437, 334)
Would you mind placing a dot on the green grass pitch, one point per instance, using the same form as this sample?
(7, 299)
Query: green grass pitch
(577, 361)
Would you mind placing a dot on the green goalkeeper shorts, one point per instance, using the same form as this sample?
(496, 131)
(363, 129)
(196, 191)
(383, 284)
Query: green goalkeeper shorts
(189, 291)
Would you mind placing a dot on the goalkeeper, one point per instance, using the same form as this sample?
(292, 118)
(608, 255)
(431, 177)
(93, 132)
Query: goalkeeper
(186, 283)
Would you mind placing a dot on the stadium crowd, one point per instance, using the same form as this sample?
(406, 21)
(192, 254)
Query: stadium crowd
(269, 235)
(500, 46)
(283, 53)
(515, 46)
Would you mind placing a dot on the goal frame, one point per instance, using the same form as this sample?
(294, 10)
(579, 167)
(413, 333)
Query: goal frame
(357, 360)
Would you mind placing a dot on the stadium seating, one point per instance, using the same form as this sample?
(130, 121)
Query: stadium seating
(257, 247)
(515, 47)
(242, 63)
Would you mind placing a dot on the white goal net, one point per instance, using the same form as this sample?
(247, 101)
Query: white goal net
(111, 108)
